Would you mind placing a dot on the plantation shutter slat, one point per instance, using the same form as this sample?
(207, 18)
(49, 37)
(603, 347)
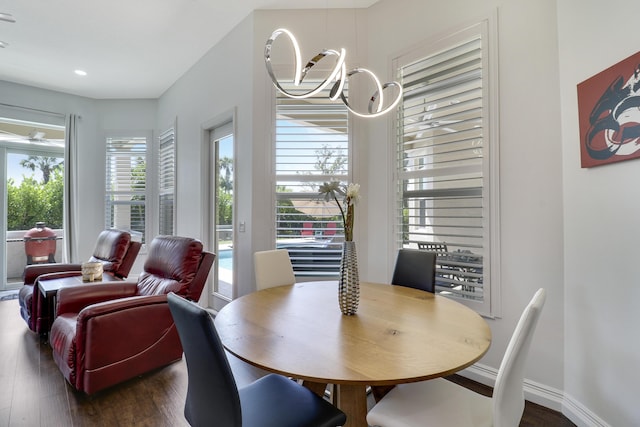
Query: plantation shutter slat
(440, 165)
(125, 192)
(312, 147)
(166, 184)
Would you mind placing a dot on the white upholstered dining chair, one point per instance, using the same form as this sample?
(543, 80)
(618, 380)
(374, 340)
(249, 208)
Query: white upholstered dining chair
(273, 268)
(440, 402)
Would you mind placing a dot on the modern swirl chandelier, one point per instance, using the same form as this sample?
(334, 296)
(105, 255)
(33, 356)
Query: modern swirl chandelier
(338, 76)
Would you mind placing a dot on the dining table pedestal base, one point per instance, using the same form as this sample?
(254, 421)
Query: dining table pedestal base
(351, 399)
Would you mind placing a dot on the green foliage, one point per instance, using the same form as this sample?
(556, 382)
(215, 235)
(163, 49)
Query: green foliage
(330, 161)
(139, 176)
(225, 191)
(46, 165)
(225, 208)
(290, 218)
(225, 182)
(33, 201)
(138, 184)
(405, 225)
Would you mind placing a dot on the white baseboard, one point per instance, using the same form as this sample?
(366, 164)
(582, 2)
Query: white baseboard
(540, 394)
(533, 392)
(580, 415)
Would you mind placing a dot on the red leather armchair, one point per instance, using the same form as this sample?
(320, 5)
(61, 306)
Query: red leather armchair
(106, 334)
(114, 249)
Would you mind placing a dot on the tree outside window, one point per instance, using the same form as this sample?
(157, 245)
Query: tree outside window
(34, 200)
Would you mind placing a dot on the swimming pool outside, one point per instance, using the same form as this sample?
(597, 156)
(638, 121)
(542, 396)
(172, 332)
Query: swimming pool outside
(225, 259)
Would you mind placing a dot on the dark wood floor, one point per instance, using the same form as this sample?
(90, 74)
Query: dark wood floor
(34, 393)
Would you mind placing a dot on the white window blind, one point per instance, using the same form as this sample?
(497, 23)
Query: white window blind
(125, 192)
(167, 182)
(443, 156)
(312, 147)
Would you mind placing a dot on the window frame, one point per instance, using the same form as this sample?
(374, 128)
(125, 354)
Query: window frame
(167, 163)
(487, 30)
(150, 167)
(307, 263)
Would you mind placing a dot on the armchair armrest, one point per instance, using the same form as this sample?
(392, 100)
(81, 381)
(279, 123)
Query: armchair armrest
(135, 306)
(138, 330)
(74, 298)
(32, 272)
(58, 275)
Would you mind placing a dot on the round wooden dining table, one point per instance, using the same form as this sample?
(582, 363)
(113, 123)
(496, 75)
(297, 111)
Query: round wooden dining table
(398, 335)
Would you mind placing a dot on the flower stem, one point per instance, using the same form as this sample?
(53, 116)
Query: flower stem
(344, 219)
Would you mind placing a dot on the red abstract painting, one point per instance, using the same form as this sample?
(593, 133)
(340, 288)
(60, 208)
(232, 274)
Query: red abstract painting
(609, 114)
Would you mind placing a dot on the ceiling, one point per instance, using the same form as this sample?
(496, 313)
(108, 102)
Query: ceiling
(129, 49)
(17, 131)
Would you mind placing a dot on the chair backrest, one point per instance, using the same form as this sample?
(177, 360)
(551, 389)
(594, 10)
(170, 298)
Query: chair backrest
(330, 229)
(508, 393)
(175, 264)
(307, 229)
(273, 268)
(415, 269)
(111, 248)
(128, 260)
(212, 393)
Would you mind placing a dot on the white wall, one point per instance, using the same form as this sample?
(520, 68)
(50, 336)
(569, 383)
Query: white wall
(602, 290)
(213, 91)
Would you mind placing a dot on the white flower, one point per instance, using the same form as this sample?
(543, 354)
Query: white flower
(331, 190)
(353, 193)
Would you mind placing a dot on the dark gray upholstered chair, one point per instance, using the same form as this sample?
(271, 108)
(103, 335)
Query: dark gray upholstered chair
(213, 397)
(415, 269)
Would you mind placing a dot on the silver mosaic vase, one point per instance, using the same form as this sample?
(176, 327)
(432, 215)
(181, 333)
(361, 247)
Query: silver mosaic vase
(349, 283)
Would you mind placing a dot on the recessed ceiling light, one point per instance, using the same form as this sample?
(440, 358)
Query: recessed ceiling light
(80, 72)
(3, 44)
(7, 17)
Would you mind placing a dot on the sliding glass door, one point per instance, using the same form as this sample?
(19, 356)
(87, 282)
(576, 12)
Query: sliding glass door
(222, 220)
(31, 196)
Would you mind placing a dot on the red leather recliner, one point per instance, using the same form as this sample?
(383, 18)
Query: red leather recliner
(106, 334)
(114, 249)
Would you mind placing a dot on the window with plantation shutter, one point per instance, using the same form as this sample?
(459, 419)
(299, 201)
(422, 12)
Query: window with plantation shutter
(443, 157)
(125, 192)
(312, 147)
(167, 182)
